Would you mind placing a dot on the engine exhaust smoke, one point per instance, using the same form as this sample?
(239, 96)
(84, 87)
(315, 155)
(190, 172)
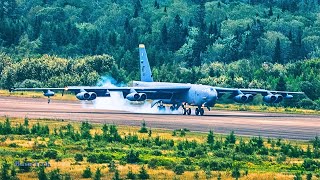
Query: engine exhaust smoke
(116, 101)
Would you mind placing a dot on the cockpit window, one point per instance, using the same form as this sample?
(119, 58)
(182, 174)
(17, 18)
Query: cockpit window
(211, 89)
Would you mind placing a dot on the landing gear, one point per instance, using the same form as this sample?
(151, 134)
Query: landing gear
(174, 107)
(189, 111)
(199, 111)
(48, 100)
(161, 107)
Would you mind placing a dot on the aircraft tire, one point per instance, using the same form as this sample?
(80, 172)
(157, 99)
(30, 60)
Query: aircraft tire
(189, 111)
(184, 111)
(201, 111)
(172, 108)
(197, 111)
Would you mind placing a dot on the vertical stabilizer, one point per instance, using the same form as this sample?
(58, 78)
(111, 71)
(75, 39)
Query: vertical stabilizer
(145, 70)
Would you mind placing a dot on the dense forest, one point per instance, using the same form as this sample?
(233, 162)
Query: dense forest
(270, 44)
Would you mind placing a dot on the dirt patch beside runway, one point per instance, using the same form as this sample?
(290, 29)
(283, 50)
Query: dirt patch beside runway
(289, 126)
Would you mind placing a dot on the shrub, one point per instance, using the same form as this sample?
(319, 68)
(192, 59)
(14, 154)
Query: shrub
(55, 174)
(51, 153)
(156, 153)
(97, 175)
(78, 157)
(179, 169)
(87, 173)
(143, 128)
(132, 157)
(153, 163)
(131, 175)
(143, 174)
(99, 158)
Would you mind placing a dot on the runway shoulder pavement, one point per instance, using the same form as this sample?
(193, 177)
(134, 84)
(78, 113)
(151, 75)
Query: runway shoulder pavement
(288, 126)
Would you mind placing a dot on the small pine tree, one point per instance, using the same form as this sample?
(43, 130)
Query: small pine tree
(182, 133)
(196, 176)
(143, 128)
(5, 170)
(236, 171)
(231, 139)
(308, 153)
(208, 173)
(174, 133)
(179, 169)
(87, 173)
(78, 157)
(210, 138)
(143, 174)
(131, 175)
(297, 176)
(309, 176)
(219, 176)
(97, 175)
(116, 175)
(42, 174)
(112, 166)
(150, 132)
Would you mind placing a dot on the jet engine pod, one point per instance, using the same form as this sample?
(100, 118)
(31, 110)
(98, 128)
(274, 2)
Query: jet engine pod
(241, 98)
(143, 96)
(249, 97)
(279, 98)
(93, 96)
(269, 98)
(83, 96)
(133, 96)
(48, 93)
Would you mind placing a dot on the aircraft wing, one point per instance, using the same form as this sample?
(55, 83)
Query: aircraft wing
(98, 90)
(263, 92)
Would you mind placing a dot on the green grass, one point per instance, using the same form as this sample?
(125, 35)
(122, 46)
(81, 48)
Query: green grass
(257, 165)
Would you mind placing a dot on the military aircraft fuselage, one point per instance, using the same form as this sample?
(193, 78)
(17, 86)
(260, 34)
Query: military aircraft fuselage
(197, 95)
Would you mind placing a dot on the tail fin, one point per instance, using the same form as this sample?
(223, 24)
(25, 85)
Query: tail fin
(146, 74)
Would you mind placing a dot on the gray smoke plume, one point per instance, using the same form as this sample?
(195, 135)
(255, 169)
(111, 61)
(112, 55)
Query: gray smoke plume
(118, 102)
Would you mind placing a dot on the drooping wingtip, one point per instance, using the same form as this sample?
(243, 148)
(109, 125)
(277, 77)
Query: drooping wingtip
(141, 46)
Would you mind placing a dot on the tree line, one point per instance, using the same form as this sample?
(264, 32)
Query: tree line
(227, 43)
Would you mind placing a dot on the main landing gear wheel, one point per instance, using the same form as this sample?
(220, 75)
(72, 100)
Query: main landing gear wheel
(199, 111)
(184, 111)
(189, 111)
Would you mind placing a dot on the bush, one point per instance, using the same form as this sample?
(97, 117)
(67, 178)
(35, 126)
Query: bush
(78, 157)
(310, 164)
(51, 153)
(132, 157)
(143, 128)
(143, 174)
(156, 153)
(99, 158)
(179, 169)
(87, 173)
(153, 163)
(97, 175)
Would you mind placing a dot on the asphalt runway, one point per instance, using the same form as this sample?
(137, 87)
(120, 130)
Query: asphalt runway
(287, 126)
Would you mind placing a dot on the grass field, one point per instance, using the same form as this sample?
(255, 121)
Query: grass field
(274, 159)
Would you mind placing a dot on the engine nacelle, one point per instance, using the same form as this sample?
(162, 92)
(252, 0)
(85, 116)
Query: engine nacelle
(249, 98)
(241, 98)
(143, 97)
(136, 96)
(270, 98)
(279, 98)
(48, 93)
(83, 96)
(93, 96)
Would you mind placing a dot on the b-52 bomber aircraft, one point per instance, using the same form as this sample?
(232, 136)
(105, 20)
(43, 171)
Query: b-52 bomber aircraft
(175, 94)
